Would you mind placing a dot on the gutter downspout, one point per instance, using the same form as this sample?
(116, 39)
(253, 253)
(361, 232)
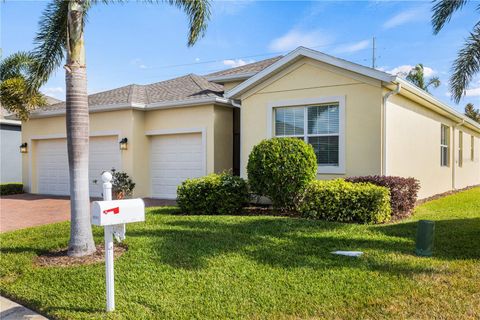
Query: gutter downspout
(384, 127)
(454, 163)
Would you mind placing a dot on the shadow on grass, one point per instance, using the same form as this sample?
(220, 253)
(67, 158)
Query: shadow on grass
(294, 243)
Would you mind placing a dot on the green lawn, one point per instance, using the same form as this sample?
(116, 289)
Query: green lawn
(214, 267)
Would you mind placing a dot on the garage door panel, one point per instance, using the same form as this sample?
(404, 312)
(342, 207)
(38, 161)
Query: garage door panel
(52, 164)
(175, 158)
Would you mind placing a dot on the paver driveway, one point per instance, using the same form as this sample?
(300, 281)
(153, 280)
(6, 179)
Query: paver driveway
(28, 210)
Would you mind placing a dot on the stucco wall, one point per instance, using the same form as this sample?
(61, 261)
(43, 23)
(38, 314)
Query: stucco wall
(117, 123)
(413, 148)
(311, 79)
(138, 126)
(11, 158)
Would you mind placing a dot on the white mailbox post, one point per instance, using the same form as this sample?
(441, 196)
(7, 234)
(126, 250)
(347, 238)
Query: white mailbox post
(113, 215)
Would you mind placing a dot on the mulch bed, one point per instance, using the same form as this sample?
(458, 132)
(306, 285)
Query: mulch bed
(59, 258)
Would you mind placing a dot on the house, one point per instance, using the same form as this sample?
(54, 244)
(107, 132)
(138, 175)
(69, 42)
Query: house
(10, 140)
(360, 121)
(10, 159)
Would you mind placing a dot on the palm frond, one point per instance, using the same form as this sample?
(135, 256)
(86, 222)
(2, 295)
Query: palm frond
(433, 81)
(50, 41)
(443, 11)
(16, 65)
(466, 65)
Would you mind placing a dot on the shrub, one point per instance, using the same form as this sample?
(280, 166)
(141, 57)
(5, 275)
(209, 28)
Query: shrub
(10, 188)
(280, 168)
(122, 185)
(213, 194)
(338, 200)
(403, 192)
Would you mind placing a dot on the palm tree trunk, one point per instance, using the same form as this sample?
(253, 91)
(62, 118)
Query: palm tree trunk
(77, 121)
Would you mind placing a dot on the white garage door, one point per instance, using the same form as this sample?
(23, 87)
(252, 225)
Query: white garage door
(52, 164)
(175, 158)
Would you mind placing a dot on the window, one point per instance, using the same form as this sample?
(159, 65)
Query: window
(444, 145)
(460, 148)
(472, 148)
(318, 125)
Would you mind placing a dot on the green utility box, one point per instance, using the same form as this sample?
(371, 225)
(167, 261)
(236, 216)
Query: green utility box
(425, 235)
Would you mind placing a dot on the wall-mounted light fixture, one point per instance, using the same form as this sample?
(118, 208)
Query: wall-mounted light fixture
(24, 148)
(124, 144)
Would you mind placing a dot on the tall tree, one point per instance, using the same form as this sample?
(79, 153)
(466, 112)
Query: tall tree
(467, 63)
(417, 76)
(472, 113)
(61, 33)
(15, 95)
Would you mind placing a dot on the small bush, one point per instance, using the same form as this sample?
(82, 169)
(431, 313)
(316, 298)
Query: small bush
(11, 188)
(403, 192)
(338, 200)
(122, 184)
(280, 168)
(213, 194)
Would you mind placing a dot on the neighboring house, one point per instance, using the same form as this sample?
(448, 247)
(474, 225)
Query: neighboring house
(360, 121)
(10, 141)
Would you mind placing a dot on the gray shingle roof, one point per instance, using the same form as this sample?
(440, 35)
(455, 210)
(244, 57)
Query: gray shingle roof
(182, 88)
(246, 69)
(188, 87)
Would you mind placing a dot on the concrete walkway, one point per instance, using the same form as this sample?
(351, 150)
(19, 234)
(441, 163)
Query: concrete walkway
(10, 310)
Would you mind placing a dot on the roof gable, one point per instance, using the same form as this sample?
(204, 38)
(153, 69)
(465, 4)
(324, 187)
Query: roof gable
(298, 54)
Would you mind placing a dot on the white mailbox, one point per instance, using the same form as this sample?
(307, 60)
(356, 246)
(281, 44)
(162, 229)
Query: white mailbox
(107, 213)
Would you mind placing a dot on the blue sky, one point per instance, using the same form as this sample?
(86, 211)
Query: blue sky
(139, 43)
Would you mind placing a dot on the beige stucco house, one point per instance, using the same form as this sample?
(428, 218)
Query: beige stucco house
(360, 121)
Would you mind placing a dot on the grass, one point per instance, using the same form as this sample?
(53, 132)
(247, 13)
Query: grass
(218, 267)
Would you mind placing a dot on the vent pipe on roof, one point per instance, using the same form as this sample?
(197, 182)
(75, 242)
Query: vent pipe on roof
(384, 126)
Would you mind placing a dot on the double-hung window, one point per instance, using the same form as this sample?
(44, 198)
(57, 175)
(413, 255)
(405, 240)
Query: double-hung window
(318, 125)
(444, 145)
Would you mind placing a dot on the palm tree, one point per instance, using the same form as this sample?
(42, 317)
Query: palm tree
(472, 113)
(15, 95)
(467, 63)
(61, 32)
(417, 76)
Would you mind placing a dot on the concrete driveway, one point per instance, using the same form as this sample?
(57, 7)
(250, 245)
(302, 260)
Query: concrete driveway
(29, 210)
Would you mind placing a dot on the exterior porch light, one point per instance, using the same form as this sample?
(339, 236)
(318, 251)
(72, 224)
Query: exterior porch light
(124, 144)
(24, 148)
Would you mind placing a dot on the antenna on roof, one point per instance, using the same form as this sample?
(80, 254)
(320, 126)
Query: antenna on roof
(373, 52)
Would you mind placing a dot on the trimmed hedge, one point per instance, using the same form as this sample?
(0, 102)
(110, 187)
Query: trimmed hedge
(11, 188)
(339, 200)
(215, 194)
(403, 192)
(280, 168)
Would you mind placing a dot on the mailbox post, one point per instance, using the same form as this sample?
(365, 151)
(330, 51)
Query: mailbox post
(113, 215)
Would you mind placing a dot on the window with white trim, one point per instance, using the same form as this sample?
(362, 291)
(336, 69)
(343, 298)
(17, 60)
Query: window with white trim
(444, 145)
(318, 125)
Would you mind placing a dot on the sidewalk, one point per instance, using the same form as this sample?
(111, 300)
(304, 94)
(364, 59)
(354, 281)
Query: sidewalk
(10, 310)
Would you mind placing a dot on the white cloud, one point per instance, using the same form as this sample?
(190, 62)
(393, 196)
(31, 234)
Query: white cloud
(231, 7)
(353, 47)
(237, 62)
(138, 63)
(405, 17)
(295, 38)
(474, 92)
(405, 69)
(56, 92)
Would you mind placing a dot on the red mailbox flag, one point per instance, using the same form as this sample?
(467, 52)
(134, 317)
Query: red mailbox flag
(115, 210)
